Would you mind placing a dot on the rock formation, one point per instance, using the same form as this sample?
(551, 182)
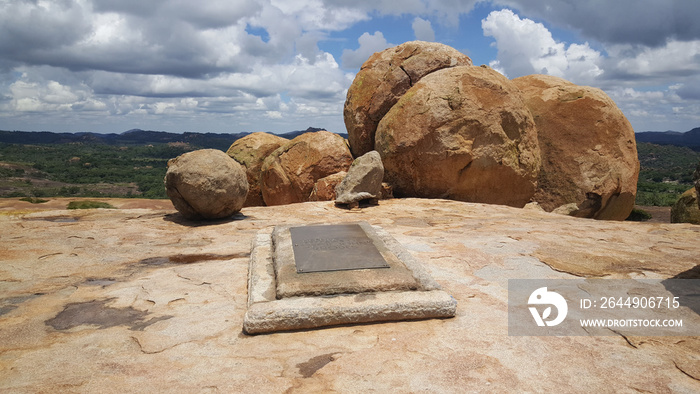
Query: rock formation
(686, 210)
(324, 188)
(383, 79)
(206, 184)
(589, 154)
(461, 133)
(250, 151)
(290, 172)
(363, 181)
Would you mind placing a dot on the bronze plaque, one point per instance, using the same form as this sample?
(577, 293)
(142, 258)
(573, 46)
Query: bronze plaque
(335, 247)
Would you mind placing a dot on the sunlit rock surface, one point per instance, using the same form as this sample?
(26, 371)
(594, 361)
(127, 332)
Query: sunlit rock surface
(138, 299)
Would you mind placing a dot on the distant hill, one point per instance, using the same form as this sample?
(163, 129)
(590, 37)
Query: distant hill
(134, 137)
(690, 139)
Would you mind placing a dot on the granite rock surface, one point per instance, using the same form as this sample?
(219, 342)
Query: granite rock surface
(142, 300)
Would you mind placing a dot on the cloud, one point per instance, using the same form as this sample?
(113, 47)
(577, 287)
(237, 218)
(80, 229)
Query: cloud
(637, 22)
(673, 60)
(423, 30)
(369, 44)
(525, 47)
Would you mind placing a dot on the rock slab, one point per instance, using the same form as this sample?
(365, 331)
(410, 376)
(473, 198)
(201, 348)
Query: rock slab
(179, 294)
(206, 184)
(363, 180)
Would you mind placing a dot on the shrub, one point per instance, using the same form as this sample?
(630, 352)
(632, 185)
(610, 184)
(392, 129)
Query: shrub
(89, 205)
(33, 200)
(639, 215)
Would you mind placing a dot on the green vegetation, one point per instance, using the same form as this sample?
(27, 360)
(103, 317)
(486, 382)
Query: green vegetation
(98, 169)
(639, 215)
(85, 169)
(34, 200)
(89, 205)
(666, 172)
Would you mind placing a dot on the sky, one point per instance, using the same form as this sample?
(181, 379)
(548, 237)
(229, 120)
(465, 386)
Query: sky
(228, 66)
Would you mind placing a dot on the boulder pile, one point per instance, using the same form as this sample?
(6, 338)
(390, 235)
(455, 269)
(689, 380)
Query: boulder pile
(444, 128)
(288, 174)
(447, 129)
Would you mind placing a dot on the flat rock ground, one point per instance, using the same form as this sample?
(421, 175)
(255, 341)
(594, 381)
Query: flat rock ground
(139, 300)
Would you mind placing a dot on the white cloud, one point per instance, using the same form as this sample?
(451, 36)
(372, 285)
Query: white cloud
(670, 61)
(636, 22)
(369, 44)
(423, 30)
(525, 47)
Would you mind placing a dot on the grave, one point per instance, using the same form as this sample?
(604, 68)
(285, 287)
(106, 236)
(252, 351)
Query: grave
(303, 277)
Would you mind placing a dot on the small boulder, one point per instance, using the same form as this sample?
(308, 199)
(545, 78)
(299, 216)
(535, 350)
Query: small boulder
(324, 189)
(206, 184)
(250, 151)
(534, 206)
(383, 79)
(363, 180)
(588, 148)
(461, 133)
(686, 209)
(288, 174)
(566, 209)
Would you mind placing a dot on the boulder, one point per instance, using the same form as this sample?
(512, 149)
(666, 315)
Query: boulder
(589, 153)
(383, 79)
(686, 210)
(461, 133)
(250, 151)
(289, 173)
(206, 184)
(363, 181)
(324, 188)
(534, 206)
(569, 209)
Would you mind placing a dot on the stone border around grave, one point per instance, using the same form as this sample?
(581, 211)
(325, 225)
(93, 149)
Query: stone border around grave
(266, 314)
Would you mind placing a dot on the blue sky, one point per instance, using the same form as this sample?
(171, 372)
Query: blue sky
(282, 65)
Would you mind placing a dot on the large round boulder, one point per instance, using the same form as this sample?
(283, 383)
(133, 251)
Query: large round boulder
(589, 153)
(461, 133)
(290, 172)
(383, 79)
(206, 184)
(250, 151)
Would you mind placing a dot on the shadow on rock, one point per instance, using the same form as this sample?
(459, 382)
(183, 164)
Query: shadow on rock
(181, 220)
(685, 286)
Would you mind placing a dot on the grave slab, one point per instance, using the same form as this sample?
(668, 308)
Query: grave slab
(281, 299)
